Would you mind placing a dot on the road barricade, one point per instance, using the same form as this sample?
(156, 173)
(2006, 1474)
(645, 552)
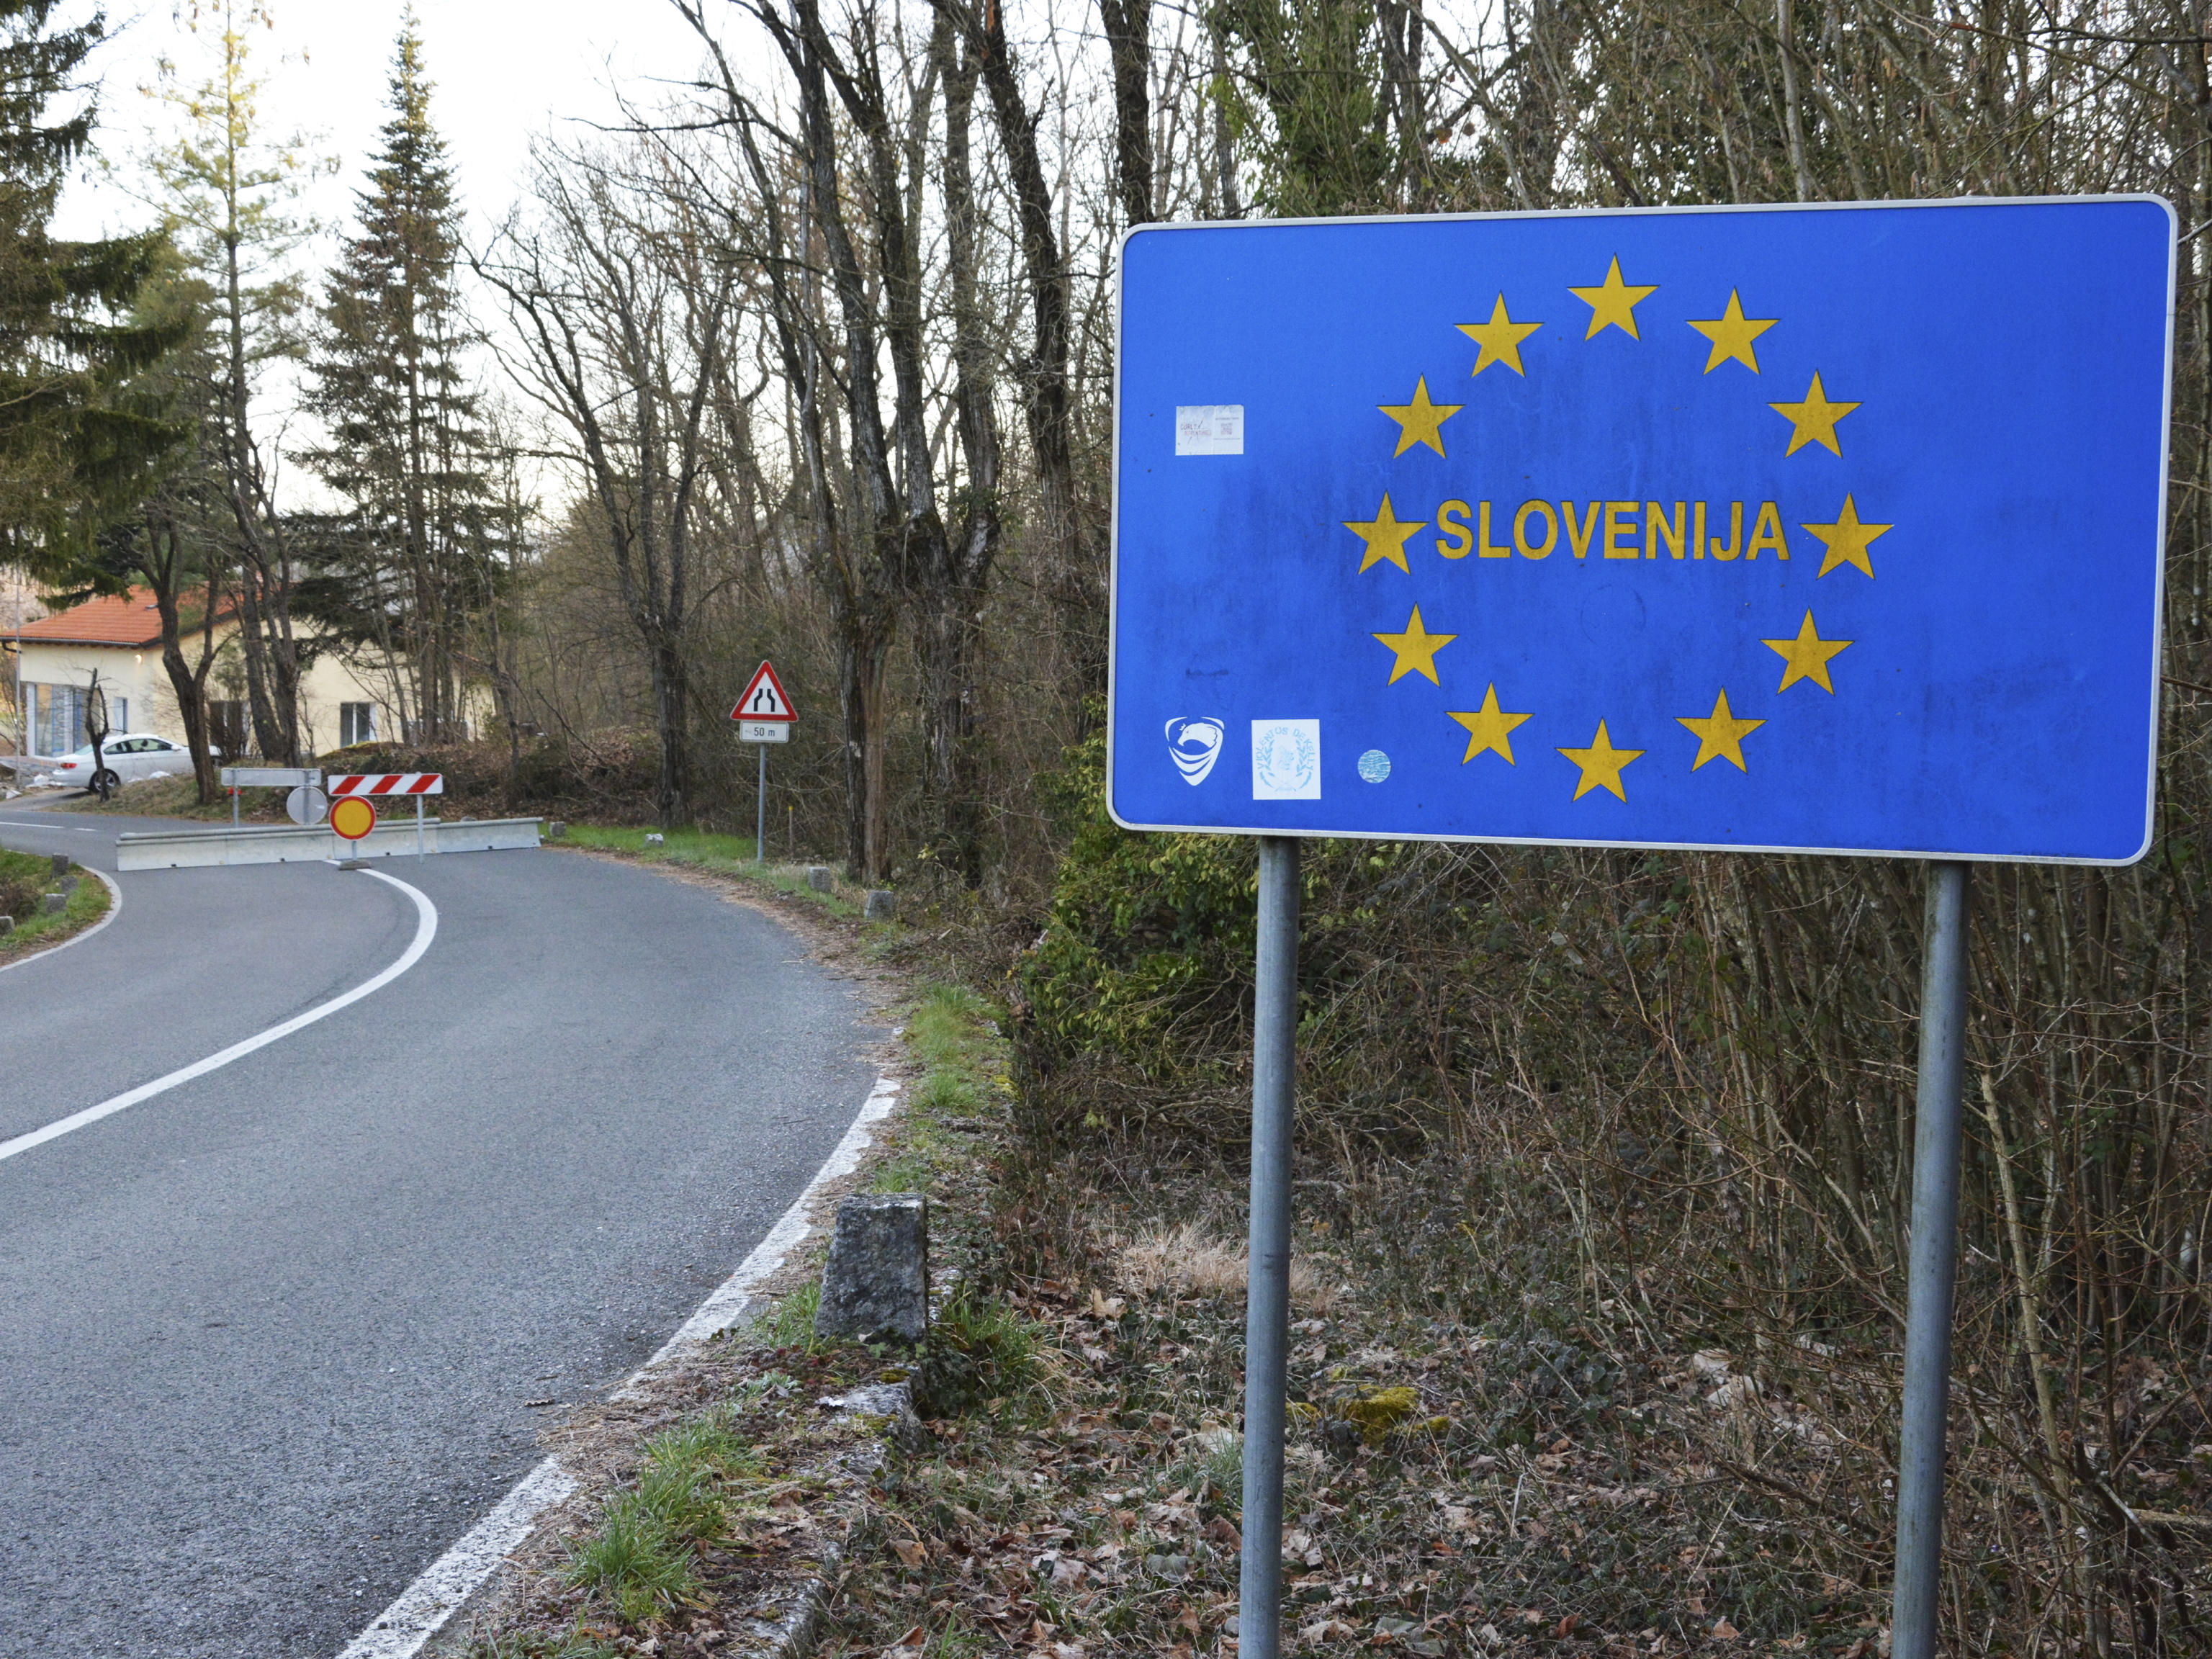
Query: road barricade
(286, 843)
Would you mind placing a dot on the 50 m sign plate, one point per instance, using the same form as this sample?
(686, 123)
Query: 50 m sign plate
(1832, 529)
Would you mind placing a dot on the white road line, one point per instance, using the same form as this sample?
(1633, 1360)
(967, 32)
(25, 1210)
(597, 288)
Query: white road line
(434, 1597)
(114, 908)
(422, 1608)
(32, 824)
(426, 929)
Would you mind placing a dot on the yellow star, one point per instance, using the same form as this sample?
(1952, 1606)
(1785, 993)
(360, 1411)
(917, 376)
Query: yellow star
(1417, 650)
(1419, 421)
(1814, 419)
(1807, 656)
(1385, 537)
(1489, 729)
(1847, 539)
(1500, 339)
(1613, 304)
(1721, 734)
(1602, 763)
(1732, 333)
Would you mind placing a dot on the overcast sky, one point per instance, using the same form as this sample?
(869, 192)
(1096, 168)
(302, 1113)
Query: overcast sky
(505, 71)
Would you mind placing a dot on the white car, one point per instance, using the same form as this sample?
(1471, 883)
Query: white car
(127, 757)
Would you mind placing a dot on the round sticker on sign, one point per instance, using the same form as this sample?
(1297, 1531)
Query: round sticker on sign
(352, 816)
(1375, 766)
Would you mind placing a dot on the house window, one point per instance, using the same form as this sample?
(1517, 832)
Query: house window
(57, 717)
(356, 724)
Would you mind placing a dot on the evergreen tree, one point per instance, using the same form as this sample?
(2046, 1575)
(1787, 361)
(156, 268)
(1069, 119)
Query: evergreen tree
(227, 187)
(75, 445)
(180, 541)
(407, 447)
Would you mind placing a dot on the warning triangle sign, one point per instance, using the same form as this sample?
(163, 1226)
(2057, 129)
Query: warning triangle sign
(763, 698)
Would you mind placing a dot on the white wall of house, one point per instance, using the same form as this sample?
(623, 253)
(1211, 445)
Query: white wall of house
(338, 706)
(54, 678)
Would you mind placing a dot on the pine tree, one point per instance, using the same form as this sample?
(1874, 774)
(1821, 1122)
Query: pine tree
(75, 445)
(407, 447)
(227, 187)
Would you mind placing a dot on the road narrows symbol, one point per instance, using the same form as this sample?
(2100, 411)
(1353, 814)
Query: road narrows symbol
(763, 698)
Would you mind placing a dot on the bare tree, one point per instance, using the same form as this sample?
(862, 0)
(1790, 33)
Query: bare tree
(624, 323)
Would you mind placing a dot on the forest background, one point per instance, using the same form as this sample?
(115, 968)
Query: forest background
(815, 364)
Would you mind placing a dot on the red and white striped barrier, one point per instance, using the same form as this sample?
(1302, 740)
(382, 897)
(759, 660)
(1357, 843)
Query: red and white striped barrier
(386, 783)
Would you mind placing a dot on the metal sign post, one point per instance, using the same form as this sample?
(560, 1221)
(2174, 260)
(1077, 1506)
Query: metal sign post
(764, 715)
(1267, 1294)
(1565, 530)
(236, 778)
(1932, 1270)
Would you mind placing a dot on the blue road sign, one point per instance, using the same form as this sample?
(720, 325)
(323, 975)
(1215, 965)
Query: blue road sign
(1831, 529)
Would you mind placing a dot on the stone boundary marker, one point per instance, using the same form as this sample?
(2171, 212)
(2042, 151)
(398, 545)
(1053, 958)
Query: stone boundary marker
(876, 1283)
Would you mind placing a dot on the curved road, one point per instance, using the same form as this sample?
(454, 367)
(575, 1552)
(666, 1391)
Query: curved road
(271, 1338)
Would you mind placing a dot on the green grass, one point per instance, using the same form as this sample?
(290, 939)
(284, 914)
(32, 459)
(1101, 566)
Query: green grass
(37, 930)
(790, 1323)
(575, 1644)
(678, 845)
(961, 1058)
(702, 849)
(979, 1353)
(641, 1560)
(179, 798)
(635, 1562)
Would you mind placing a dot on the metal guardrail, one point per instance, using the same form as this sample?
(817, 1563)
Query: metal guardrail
(285, 843)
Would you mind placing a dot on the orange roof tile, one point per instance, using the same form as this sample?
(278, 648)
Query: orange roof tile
(129, 619)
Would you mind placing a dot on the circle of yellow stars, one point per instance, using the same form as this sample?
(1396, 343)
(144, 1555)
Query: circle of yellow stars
(1731, 338)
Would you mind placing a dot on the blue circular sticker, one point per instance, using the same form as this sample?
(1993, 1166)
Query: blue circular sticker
(1375, 766)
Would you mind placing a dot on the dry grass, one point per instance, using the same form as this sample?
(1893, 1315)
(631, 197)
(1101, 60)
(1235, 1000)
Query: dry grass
(1187, 1259)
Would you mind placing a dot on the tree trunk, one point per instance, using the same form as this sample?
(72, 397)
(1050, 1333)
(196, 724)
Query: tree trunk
(1079, 577)
(671, 688)
(1128, 26)
(188, 684)
(947, 638)
(863, 651)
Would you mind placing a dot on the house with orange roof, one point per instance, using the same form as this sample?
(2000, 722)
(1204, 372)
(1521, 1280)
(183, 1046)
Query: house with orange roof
(119, 637)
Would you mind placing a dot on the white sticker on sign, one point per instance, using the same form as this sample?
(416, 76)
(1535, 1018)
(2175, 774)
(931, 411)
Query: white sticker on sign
(1210, 429)
(1286, 760)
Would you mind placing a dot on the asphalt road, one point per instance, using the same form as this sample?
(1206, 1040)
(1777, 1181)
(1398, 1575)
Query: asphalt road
(267, 1340)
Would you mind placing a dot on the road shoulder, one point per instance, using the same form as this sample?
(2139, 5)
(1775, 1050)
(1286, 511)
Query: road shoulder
(760, 1378)
(92, 901)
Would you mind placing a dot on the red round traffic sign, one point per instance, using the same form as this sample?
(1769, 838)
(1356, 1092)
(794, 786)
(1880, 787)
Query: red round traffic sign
(352, 816)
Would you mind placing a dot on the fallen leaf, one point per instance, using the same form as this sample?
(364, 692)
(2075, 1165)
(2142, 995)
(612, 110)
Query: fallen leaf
(914, 1638)
(1724, 1631)
(1106, 1307)
(908, 1551)
(1565, 1627)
